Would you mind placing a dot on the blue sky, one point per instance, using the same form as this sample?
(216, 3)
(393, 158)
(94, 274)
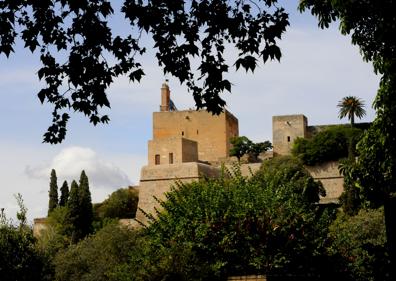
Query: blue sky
(317, 69)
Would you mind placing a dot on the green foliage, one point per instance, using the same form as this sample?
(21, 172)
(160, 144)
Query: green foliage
(371, 27)
(257, 148)
(53, 192)
(242, 145)
(121, 204)
(21, 214)
(288, 173)
(357, 243)
(19, 259)
(181, 31)
(95, 257)
(237, 225)
(56, 236)
(64, 194)
(351, 199)
(351, 106)
(334, 143)
(79, 215)
(73, 213)
(85, 206)
(149, 260)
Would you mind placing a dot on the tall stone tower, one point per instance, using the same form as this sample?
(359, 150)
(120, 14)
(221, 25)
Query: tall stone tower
(285, 130)
(211, 133)
(184, 143)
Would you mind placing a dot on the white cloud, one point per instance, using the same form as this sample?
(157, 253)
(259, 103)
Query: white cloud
(69, 163)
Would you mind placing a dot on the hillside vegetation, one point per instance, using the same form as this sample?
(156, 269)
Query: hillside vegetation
(333, 143)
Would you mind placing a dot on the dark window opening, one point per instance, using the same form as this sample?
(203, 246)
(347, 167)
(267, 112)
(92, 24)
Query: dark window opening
(197, 132)
(182, 133)
(288, 138)
(170, 158)
(157, 159)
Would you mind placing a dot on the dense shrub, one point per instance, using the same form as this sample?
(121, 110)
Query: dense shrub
(236, 225)
(122, 203)
(357, 243)
(95, 257)
(333, 143)
(19, 260)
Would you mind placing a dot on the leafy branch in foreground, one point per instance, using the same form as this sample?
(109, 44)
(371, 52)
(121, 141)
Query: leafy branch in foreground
(81, 55)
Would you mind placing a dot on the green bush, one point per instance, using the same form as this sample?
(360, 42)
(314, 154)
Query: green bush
(121, 204)
(334, 143)
(236, 225)
(19, 258)
(95, 257)
(357, 244)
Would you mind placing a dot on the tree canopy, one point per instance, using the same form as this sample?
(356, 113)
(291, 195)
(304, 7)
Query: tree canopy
(331, 144)
(81, 55)
(53, 192)
(242, 145)
(64, 194)
(240, 225)
(372, 28)
(350, 107)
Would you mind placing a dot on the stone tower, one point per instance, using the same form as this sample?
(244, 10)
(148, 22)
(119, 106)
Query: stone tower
(183, 130)
(285, 130)
(183, 146)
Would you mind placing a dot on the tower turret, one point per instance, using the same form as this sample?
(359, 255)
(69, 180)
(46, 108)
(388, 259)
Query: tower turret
(165, 97)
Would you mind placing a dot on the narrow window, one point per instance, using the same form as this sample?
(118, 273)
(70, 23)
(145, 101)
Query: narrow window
(170, 158)
(197, 132)
(288, 138)
(157, 159)
(182, 133)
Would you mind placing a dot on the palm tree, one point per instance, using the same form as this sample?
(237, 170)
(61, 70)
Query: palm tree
(351, 106)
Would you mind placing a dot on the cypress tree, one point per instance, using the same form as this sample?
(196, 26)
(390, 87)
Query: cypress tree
(64, 194)
(73, 213)
(86, 212)
(53, 192)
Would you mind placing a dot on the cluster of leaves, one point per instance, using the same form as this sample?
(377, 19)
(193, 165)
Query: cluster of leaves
(19, 258)
(331, 144)
(91, 56)
(357, 246)
(95, 257)
(242, 145)
(238, 225)
(351, 106)
(121, 204)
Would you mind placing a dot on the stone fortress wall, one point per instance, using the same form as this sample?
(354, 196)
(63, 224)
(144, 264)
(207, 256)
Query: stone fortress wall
(188, 145)
(285, 130)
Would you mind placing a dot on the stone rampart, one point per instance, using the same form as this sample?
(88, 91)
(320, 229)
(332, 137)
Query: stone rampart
(332, 180)
(155, 181)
